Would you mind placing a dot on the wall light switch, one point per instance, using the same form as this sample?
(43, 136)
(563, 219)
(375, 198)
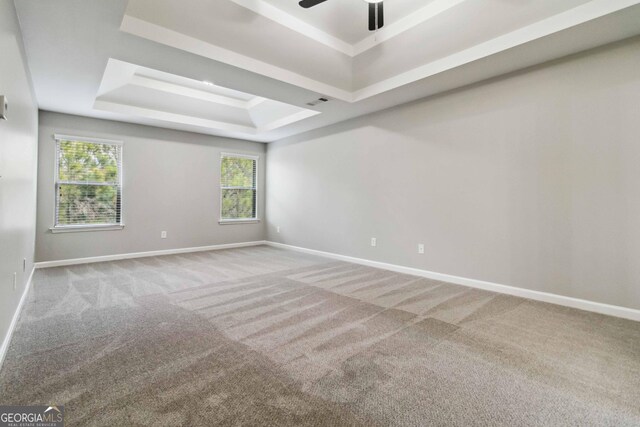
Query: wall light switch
(421, 248)
(374, 241)
(163, 235)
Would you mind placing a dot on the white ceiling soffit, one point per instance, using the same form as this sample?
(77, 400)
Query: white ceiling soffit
(300, 54)
(163, 97)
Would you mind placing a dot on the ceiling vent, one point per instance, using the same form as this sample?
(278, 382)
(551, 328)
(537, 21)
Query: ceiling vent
(317, 102)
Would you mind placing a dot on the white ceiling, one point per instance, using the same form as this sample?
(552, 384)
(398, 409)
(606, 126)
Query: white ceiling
(274, 50)
(345, 19)
(170, 99)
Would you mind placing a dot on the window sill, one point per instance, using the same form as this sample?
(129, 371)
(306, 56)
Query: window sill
(83, 228)
(238, 221)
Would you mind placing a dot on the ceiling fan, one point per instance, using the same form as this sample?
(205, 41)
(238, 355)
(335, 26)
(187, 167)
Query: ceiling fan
(376, 11)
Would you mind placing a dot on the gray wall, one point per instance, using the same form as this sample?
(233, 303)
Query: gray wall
(18, 159)
(170, 182)
(531, 181)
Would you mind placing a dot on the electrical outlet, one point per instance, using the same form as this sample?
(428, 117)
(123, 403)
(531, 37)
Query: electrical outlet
(163, 234)
(15, 281)
(277, 229)
(374, 241)
(421, 248)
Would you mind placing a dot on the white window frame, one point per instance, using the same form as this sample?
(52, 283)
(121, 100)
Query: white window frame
(84, 227)
(257, 182)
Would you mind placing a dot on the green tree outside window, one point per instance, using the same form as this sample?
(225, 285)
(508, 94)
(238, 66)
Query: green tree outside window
(88, 185)
(238, 187)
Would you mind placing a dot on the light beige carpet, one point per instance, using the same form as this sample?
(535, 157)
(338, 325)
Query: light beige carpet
(263, 336)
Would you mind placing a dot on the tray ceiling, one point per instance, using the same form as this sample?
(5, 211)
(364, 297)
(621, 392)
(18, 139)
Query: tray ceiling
(145, 61)
(301, 46)
(163, 97)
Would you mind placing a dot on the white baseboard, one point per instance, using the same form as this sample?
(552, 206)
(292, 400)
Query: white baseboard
(596, 307)
(105, 258)
(14, 320)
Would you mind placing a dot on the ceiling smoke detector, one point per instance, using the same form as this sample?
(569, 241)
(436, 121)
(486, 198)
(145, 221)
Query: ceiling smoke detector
(317, 102)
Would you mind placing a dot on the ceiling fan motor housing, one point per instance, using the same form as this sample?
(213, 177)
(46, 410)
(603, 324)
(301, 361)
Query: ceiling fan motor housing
(376, 11)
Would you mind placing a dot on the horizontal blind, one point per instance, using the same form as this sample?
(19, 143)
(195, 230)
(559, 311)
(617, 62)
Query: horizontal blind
(238, 184)
(88, 183)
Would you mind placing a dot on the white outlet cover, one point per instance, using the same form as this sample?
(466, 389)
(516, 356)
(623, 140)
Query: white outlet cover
(163, 235)
(374, 241)
(420, 248)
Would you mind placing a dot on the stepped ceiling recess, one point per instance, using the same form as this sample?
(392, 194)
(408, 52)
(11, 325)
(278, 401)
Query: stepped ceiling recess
(256, 69)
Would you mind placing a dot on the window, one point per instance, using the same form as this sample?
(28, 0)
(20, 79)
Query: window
(88, 183)
(238, 188)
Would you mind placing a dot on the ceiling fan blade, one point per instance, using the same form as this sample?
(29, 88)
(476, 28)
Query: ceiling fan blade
(310, 3)
(380, 15)
(372, 16)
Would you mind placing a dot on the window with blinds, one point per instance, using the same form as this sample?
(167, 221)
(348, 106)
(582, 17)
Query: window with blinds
(88, 183)
(238, 187)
